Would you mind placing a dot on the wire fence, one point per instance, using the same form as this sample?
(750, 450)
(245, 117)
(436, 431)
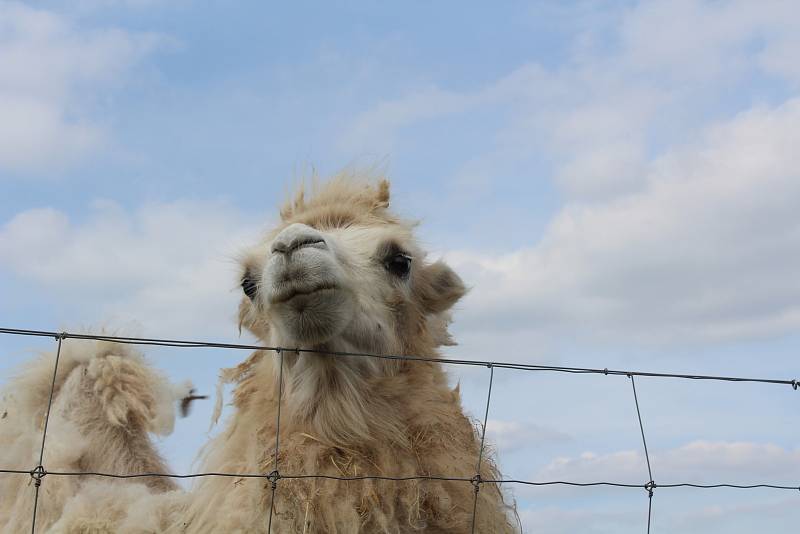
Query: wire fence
(38, 472)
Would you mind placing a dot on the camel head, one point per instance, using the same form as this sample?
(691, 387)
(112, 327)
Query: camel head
(342, 273)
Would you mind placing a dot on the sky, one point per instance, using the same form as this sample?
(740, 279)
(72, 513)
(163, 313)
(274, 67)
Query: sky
(617, 182)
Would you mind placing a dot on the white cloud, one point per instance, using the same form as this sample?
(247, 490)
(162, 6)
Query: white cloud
(669, 67)
(758, 515)
(508, 436)
(622, 512)
(709, 41)
(701, 462)
(619, 510)
(557, 520)
(168, 267)
(50, 69)
(709, 249)
(638, 79)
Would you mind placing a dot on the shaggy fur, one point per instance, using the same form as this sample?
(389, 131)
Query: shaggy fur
(340, 415)
(107, 401)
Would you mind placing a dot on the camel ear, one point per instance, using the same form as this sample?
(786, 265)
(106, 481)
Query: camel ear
(439, 287)
(382, 194)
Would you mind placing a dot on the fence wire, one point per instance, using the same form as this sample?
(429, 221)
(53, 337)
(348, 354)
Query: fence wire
(38, 472)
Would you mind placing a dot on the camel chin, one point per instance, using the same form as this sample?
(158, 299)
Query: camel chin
(312, 319)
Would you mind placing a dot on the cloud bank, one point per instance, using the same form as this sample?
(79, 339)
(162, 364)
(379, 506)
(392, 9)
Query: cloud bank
(52, 73)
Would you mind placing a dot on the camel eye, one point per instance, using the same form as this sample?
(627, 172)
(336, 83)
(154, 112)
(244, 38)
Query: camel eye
(250, 287)
(399, 264)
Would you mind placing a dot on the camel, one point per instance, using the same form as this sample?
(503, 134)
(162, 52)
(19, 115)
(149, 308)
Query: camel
(340, 275)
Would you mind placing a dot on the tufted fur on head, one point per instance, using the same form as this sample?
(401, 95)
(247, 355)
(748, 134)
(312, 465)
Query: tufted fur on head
(341, 200)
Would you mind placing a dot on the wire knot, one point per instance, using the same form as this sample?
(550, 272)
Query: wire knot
(274, 477)
(650, 486)
(38, 474)
(795, 384)
(61, 335)
(605, 371)
(476, 482)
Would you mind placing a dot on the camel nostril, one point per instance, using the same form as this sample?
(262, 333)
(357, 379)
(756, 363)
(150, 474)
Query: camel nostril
(308, 242)
(297, 236)
(298, 243)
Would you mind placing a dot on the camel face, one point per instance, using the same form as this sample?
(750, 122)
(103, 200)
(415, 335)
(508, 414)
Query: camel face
(341, 287)
(345, 274)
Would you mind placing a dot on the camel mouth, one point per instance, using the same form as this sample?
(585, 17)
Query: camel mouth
(295, 292)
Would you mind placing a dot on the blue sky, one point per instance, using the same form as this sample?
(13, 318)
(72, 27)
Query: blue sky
(617, 181)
